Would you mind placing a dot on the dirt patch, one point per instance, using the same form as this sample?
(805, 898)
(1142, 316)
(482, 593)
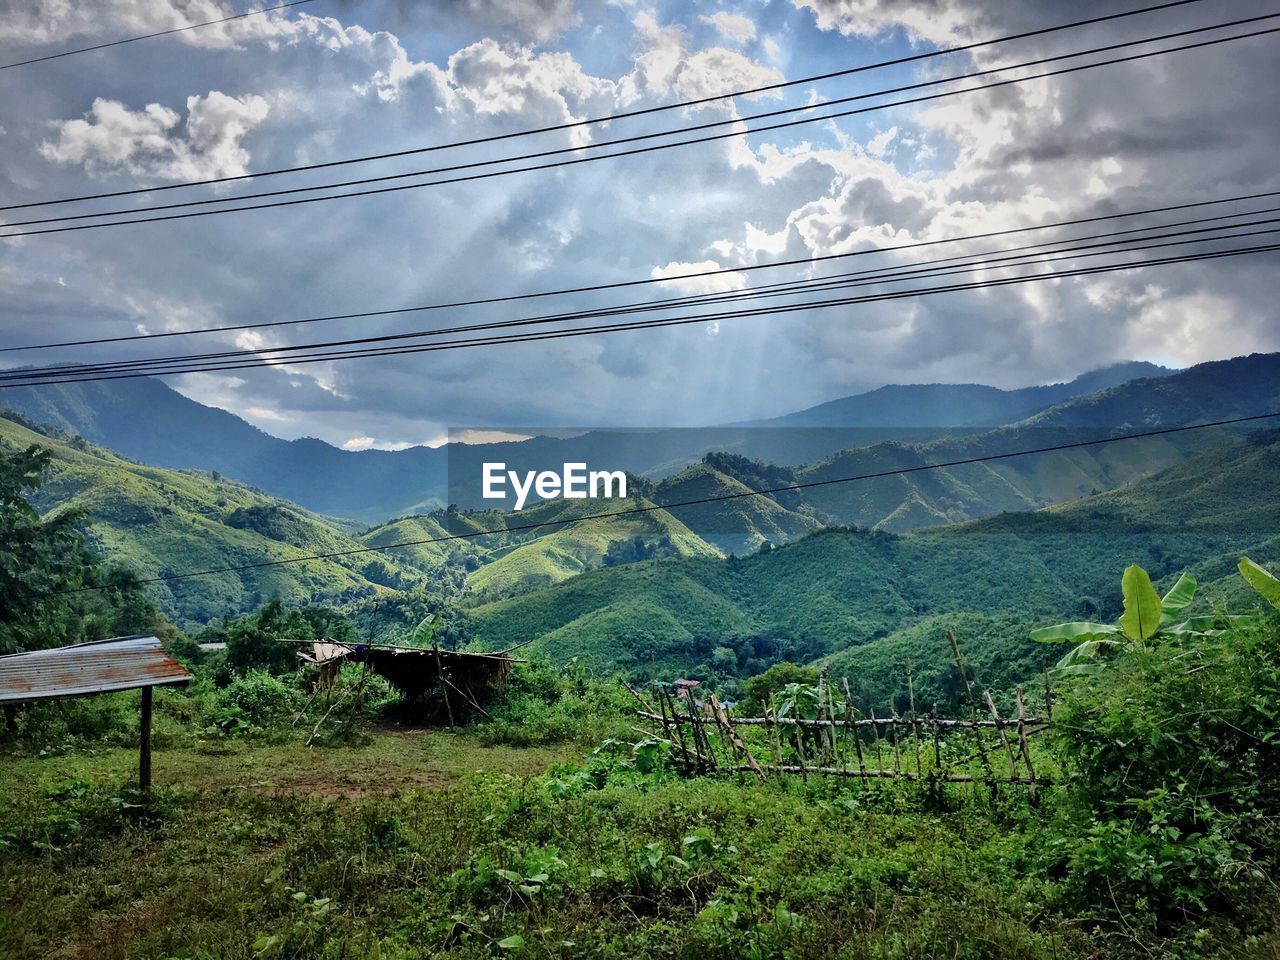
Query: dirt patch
(106, 942)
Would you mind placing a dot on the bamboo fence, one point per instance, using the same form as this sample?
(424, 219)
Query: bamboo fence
(984, 748)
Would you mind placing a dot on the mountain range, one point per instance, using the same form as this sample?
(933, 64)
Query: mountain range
(160, 520)
(146, 420)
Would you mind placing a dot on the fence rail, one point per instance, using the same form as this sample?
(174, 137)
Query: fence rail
(704, 738)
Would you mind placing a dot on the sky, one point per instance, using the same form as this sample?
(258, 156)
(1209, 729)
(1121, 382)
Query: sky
(332, 79)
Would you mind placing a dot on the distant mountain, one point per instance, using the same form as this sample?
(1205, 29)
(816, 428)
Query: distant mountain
(1241, 386)
(957, 404)
(870, 601)
(148, 421)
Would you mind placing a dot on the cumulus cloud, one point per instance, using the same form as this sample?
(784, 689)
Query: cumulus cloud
(666, 66)
(156, 142)
(51, 21)
(1123, 138)
(737, 28)
(944, 22)
(539, 20)
(674, 277)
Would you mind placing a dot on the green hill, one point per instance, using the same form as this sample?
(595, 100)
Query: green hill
(544, 557)
(160, 522)
(867, 598)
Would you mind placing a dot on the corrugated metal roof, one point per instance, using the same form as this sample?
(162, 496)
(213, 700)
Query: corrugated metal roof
(120, 664)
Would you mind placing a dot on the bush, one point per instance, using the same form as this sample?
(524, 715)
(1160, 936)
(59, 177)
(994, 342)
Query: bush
(261, 699)
(1174, 760)
(541, 706)
(759, 690)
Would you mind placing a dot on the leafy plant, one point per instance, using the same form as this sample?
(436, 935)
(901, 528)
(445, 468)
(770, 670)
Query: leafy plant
(1147, 616)
(1267, 586)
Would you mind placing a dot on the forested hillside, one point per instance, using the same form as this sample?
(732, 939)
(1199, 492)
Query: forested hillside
(158, 522)
(873, 593)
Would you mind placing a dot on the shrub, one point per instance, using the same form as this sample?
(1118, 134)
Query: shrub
(261, 699)
(1174, 760)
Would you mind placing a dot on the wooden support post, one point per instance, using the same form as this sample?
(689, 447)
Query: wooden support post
(915, 722)
(1004, 738)
(1022, 735)
(853, 731)
(875, 732)
(1048, 698)
(144, 744)
(897, 749)
(973, 704)
(440, 675)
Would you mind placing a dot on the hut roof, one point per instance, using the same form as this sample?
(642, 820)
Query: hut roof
(99, 667)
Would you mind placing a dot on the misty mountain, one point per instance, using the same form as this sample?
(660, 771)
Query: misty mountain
(148, 421)
(957, 404)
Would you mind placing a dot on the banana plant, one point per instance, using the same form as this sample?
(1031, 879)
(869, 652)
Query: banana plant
(1267, 586)
(1147, 616)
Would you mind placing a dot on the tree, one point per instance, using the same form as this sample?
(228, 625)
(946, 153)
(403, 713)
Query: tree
(41, 559)
(253, 641)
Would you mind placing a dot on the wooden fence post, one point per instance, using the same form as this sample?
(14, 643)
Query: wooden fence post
(144, 744)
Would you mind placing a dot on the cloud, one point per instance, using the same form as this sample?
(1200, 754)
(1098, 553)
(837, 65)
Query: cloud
(539, 20)
(359, 443)
(878, 145)
(55, 21)
(737, 28)
(155, 142)
(1147, 134)
(671, 275)
(944, 22)
(665, 66)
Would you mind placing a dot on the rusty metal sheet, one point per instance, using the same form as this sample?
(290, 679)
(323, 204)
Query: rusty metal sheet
(120, 664)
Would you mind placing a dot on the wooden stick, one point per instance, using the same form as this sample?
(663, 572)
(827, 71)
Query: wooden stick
(1013, 763)
(973, 704)
(857, 742)
(1048, 698)
(1022, 734)
(897, 751)
(915, 726)
(727, 726)
(875, 730)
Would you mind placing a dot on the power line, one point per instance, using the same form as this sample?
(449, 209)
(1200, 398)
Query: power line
(640, 138)
(666, 322)
(635, 151)
(939, 267)
(900, 471)
(150, 36)
(749, 268)
(577, 124)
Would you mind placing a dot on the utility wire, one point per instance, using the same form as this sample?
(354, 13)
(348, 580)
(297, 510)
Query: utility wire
(150, 36)
(1015, 256)
(787, 488)
(640, 138)
(635, 151)
(656, 280)
(577, 124)
(666, 322)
